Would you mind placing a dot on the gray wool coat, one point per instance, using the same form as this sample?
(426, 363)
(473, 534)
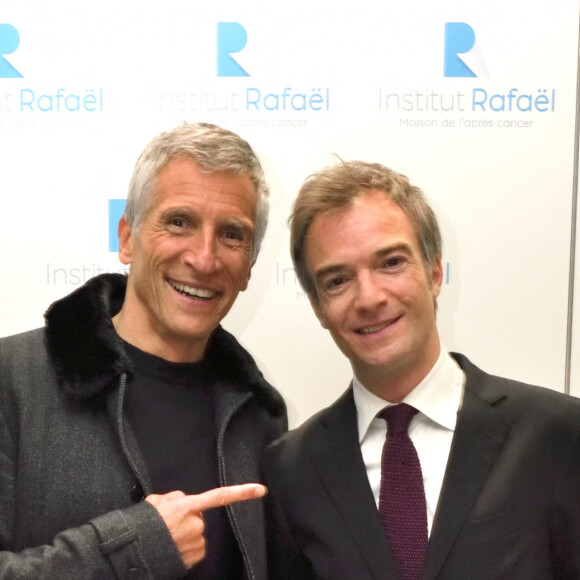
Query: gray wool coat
(72, 478)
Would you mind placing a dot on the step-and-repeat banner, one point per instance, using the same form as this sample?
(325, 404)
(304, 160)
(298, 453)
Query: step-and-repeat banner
(476, 103)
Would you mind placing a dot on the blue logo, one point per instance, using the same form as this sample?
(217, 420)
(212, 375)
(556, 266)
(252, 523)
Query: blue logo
(116, 210)
(459, 39)
(231, 38)
(9, 42)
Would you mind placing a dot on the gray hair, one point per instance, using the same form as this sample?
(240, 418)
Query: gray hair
(213, 149)
(337, 187)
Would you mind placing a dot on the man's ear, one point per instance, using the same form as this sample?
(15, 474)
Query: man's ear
(245, 284)
(315, 303)
(436, 277)
(125, 241)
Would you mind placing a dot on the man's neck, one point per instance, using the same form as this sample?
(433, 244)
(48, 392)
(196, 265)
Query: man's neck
(171, 350)
(394, 383)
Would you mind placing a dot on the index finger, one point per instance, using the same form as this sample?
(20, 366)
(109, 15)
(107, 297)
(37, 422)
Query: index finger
(221, 496)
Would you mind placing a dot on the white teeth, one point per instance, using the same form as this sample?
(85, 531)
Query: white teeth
(191, 291)
(371, 329)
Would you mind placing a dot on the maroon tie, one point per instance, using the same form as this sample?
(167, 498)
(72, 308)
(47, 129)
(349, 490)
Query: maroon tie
(402, 506)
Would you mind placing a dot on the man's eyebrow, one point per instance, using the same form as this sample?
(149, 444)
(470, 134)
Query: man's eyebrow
(179, 210)
(399, 247)
(244, 226)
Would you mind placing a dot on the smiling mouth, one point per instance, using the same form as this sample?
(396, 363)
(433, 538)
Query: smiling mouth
(191, 291)
(376, 327)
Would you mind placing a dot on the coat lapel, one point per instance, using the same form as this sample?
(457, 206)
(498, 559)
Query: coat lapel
(337, 457)
(479, 437)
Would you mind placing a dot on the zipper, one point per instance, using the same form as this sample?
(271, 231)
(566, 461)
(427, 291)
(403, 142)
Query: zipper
(122, 438)
(223, 481)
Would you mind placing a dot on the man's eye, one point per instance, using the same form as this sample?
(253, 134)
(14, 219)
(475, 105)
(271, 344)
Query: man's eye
(178, 225)
(393, 262)
(334, 283)
(233, 235)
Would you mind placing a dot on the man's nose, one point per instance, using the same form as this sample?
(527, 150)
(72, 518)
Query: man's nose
(370, 291)
(201, 254)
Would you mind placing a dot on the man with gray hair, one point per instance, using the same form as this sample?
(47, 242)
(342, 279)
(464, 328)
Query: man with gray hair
(427, 467)
(132, 424)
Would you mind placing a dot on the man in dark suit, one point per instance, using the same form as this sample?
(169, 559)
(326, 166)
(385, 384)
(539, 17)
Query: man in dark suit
(494, 464)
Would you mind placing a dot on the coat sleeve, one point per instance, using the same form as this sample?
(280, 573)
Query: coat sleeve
(565, 520)
(132, 543)
(285, 558)
(129, 543)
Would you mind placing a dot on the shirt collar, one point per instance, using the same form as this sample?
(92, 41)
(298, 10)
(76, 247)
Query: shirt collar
(438, 396)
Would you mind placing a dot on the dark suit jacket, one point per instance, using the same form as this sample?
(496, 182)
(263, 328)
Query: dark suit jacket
(509, 507)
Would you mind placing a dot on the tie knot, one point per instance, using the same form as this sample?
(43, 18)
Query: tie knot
(398, 417)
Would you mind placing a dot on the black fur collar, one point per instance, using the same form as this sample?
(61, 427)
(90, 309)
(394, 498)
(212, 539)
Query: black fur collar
(88, 355)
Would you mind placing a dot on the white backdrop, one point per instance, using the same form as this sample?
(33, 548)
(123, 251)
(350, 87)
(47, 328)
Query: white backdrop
(84, 86)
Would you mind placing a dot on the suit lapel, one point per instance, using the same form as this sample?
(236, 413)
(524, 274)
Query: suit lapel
(479, 437)
(337, 457)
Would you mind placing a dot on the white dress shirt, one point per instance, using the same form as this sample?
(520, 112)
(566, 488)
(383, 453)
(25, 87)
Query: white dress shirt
(437, 398)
